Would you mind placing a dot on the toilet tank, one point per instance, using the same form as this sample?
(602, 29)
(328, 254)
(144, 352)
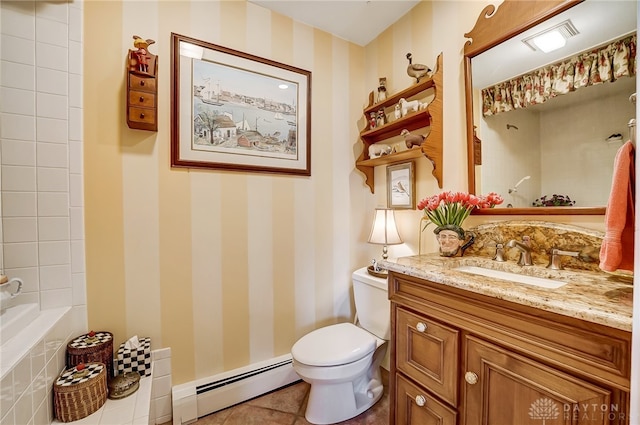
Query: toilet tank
(372, 303)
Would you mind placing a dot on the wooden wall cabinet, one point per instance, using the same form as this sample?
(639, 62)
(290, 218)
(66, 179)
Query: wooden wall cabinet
(142, 93)
(468, 359)
(429, 117)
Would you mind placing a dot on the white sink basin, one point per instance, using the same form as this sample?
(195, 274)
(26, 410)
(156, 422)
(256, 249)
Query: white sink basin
(540, 282)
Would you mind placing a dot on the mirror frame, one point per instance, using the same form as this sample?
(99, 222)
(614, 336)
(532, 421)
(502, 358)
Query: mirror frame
(492, 28)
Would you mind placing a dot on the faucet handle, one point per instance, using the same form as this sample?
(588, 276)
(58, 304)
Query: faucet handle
(499, 253)
(554, 258)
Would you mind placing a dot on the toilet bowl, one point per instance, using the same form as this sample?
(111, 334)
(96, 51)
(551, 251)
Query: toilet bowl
(342, 361)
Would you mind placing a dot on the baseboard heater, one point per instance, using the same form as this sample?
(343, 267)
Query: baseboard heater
(199, 398)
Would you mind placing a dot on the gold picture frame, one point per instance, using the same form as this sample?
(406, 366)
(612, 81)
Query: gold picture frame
(401, 186)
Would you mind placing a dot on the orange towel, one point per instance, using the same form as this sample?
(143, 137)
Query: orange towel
(616, 252)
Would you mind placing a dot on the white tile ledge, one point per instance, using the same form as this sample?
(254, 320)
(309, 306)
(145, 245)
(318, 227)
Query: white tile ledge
(132, 410)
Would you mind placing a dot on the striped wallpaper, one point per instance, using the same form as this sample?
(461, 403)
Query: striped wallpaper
(230, 268)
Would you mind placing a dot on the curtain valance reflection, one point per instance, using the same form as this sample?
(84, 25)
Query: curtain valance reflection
(597, 66)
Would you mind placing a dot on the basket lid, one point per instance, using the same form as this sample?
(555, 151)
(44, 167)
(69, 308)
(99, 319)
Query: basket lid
(92, 339)
(79, 374)
(124, 385)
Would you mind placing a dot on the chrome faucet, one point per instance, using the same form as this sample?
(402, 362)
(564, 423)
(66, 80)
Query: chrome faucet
(525, 250)
(499, 253)
(554, 258)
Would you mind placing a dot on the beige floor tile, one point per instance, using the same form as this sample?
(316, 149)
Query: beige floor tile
(289, 399)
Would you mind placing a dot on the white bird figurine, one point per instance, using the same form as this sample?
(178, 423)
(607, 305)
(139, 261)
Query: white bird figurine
(411, 140)
(416, 70)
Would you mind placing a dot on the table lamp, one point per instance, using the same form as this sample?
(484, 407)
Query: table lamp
(384, 231)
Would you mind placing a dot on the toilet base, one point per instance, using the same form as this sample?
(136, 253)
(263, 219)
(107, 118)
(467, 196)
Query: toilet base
(348, 399)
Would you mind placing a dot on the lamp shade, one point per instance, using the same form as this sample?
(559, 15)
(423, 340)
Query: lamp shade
(384, 230)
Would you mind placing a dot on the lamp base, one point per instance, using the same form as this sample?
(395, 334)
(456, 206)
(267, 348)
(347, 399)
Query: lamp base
(381, 274)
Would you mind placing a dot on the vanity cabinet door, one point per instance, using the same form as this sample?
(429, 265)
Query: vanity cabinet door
(414, 406)
(427, 351)
(501, 387)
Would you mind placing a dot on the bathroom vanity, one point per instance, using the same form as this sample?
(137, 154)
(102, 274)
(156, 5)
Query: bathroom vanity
(469, 349)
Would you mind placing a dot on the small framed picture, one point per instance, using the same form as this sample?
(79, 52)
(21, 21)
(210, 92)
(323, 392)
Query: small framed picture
(401, 186)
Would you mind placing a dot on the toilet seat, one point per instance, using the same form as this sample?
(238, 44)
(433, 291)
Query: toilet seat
(334, 345)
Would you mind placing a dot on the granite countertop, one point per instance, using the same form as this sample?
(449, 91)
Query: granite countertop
(593, 296)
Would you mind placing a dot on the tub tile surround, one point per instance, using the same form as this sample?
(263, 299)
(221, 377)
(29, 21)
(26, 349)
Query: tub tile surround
(590, 295)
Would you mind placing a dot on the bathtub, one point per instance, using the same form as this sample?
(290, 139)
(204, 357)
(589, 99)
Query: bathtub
(14, 319)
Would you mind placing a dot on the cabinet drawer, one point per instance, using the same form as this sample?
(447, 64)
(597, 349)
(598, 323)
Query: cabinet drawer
(414, 406)
(142, 115)
(142, 99)
(137, 82)
(427, 351)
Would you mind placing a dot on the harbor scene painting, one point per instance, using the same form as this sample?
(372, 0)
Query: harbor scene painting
(231, 110)
(239, 109)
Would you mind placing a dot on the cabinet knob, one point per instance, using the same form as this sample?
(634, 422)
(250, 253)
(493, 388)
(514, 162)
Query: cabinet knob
(141, 99)
(141, 115)
(421, 327)
(471, 378)
(142, 83)
(420, 400)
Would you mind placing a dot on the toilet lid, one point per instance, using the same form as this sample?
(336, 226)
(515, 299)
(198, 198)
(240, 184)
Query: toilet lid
(333, 345)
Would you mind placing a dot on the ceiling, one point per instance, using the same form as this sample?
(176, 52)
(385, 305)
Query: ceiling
(357, 21)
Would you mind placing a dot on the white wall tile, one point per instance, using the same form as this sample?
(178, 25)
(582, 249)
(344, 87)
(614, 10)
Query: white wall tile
(162, 367)
(75, 124)
(19, 22)
(79, 288)
(77, 256)
(75, 157)
(7, 397)
(52, 155)
(52, 130)
(53, 204)
(77, 223)
(39, 390)
(53, 229)
(75, 90)
(18, 152)
(20, 255)
(75, 57)
(53, 253)
(19, 204)
(23, 408)
(18, 127)
(17, 75)
(21, 179)
(17, 101)
(51, 32)
(162, 406)
(52, 180)
(22, 377)
(51, 106)
(76, 196)
(55, 277)
(20, 229)
(75, 24)
(52, 81)
(54, 11)
(54, 57)
(29, 276)
(37, 358)
(18, 50)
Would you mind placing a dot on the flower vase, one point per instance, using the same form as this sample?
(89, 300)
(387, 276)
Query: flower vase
(453, 240)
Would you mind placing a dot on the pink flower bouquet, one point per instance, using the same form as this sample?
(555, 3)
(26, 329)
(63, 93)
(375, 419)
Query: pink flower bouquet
(454, 207)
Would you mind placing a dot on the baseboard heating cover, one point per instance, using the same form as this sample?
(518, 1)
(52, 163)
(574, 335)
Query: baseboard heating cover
(202, 397)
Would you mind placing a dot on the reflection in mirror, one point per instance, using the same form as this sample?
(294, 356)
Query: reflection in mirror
(563, 146)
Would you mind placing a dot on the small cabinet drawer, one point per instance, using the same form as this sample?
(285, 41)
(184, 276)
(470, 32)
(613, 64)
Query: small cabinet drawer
(414, 406)
(142, 99)
(142, 115)
(137, 82)
(427, 351)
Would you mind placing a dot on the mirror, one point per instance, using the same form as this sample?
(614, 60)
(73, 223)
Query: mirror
(545, 149)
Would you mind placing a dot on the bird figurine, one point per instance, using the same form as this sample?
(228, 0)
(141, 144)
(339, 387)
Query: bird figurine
(417, 70)
(411, 140)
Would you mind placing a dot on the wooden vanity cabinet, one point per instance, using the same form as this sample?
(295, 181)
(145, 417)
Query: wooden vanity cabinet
(469, 359)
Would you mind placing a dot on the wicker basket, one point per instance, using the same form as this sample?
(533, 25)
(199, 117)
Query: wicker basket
(80, 391)
(92, 347)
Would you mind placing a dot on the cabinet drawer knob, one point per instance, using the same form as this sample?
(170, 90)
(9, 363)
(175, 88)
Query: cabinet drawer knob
(471, 378)
(142, 83)
(421, 327)
(141, 115)
(420, 400)
(141, 99)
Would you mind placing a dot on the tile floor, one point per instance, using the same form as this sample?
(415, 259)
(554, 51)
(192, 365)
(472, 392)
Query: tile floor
(286, 407)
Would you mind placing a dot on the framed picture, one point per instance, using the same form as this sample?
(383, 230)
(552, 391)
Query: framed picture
(401, 186)
(234, 111)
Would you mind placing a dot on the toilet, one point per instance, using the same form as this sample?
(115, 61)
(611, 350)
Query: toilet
(342, 361)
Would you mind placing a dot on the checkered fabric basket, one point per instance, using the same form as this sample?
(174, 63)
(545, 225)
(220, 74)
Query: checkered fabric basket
(80, 391)
(138, 360)
(92, 347)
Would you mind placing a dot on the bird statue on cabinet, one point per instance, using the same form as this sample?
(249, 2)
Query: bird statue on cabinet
(411, 140)
(417, 70)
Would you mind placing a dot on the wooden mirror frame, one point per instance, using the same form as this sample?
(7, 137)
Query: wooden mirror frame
(492, 28)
